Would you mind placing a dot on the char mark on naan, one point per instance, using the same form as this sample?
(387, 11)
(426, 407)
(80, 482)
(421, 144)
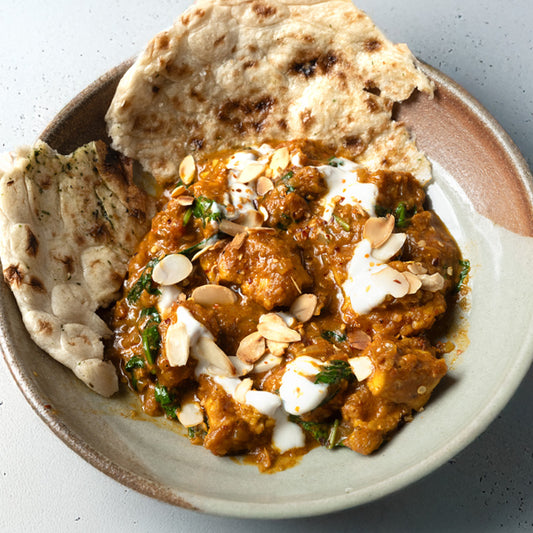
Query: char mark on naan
(243, 72)
(69, 226)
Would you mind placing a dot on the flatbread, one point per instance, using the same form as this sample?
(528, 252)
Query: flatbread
(242, 72)
(69, 225)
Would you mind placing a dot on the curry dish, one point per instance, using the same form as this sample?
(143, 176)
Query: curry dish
(285, 297)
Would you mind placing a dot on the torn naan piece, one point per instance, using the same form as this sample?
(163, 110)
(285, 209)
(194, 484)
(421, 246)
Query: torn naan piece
(243, 72)
(69, 225)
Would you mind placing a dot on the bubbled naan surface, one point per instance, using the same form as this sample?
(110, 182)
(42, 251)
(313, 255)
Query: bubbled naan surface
(241, 72)
(69, 225)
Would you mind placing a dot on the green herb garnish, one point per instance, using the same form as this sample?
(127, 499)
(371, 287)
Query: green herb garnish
(199, 245)
(402, 215)
(285, 178)
(465, 269)
(187, 216)
(335, 162)
(334, 372)
(152, 313)
(332, 437)
(333, 336)
(144, 282)
(285, 222)
(151, 340)
(323, 432)
(206, 209)
(133, 363)
(342, 223)
(166, 401)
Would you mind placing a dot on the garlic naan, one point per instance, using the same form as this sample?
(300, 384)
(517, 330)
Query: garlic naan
(69, 225)
(241, 72)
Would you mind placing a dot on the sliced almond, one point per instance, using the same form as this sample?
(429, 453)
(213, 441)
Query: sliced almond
(358, 339)
(393, 281)
(417, 268)
(241, 368)
(433, 282)
(273, 327)
(251, 348)
(277, 348)
(209, 295)
(251, 172)
(378, 230)
(264, 212)
(190, 414)
(414, 282)
(187, 170)
(303, 308)
(177, 344)
(180, 189)
(266, 363)
(362, 367)
(231, 228)
(185, 200)
(390, 247)
(172, 269)
(241, 389)
(263, 186)
(280, 159)
(238, 240)
(218, 244)
(208, 351)
(251, 219)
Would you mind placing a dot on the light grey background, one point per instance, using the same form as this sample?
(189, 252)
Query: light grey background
(49, 51)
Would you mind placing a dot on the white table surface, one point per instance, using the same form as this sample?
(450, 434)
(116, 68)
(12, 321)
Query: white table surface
(49, 51)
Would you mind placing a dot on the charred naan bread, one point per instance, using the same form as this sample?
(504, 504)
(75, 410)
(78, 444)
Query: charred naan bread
(241, 72)
(69, 225)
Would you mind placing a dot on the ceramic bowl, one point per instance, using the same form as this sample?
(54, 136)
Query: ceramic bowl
(482, 190)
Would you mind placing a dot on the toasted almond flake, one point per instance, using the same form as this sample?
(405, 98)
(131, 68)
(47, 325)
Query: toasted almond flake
(231, 228)
(172, 269)
(390, 247)
(190, 414)
(251, 172)
(264, 212)
(187, 170)
(414, 282)
(449, 271)
(266, 363)
(241, 368)
(251, 219)
(241, 389)
(207, 350)
(362, 367)
(395, 281)
(358, 339)
(238, 240)
(280, 159)
(201, 252)
(262, 228)
(421, 389)
(417, 268)
(177, 344)
(180, 189)
(276, 348)
(251, 348)
(273, 327)
(378, 230)
(185, 200)
(210, 294)
(433, 282)
(303, 308)
(263, 186)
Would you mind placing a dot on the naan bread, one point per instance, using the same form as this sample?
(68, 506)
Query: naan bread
(241, 72)
(69, 225)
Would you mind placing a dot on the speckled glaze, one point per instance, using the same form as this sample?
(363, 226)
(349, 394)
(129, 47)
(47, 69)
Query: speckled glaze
(474, 161)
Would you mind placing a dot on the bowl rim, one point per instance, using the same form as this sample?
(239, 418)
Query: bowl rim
(216, 506)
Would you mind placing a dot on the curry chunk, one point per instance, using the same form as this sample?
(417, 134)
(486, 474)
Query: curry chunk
(267, 268)
(405, 371)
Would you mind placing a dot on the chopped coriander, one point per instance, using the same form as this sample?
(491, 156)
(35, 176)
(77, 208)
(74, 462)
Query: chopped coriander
(206, 209)
(465, 269)
(335, 162)
(166, 400)
(144, 282)
(152, 313)
(187, 216)
(333, 336)
(151, 340)
(199, 245)
(319, 431)
(285, 179)
(332, 437)
(342, 223)
(133, 363)
(334, 372)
